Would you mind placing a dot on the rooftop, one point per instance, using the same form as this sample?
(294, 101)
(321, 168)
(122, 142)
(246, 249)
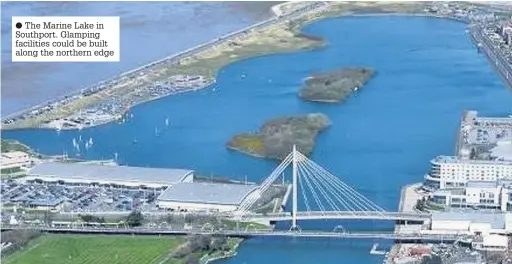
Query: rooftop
(95, 172)
(44, 202)
(497, 220)
(457, 160)
(482, 184)
(207, 193)
(503, 151)
(14, 155)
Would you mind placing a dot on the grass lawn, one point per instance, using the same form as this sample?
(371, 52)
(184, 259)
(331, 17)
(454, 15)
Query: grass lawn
(103, 249)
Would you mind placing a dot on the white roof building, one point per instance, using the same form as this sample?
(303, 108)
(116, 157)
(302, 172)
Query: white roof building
(492, 242)
(453, 172)
(503, 151)
(201, 196)
(14, 159)
(80, 173)
(468, 222)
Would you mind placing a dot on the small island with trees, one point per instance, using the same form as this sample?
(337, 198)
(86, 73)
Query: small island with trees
(334, 86)
(276, 137)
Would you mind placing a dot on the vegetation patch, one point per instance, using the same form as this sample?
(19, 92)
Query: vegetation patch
(335, 86)
(276, 138)
(9, 145)
(198, 247)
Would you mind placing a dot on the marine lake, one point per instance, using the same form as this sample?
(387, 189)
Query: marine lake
(428, 73)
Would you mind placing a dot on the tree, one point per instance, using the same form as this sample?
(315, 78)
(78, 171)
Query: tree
(219, 243)
(420, 205)
(191, 260)
(135, 218)
(189, 218)
(472, 155)
(204, 242)
(92, 219)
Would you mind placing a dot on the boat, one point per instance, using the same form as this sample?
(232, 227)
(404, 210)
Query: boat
(374, 250)
(213, 89)
(90, 141)
(80, 138)
(131, 115)
(134, 141)
(243, 76)
(156, 131)
(74, 143)
(167, 122)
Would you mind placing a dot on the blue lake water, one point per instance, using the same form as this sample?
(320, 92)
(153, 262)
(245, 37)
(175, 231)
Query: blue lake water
(429, 72)
(149, 31)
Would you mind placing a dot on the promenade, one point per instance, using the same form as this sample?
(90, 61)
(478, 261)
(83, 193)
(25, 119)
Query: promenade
(171, 60)
(493, 54)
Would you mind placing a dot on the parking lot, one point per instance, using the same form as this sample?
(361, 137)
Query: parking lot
(68, 198)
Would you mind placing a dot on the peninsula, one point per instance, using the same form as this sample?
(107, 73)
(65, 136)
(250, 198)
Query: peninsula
(334, 86)
(276, 137)
(194, 68)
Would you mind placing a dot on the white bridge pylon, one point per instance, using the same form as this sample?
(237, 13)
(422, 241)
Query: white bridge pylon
(321, 192)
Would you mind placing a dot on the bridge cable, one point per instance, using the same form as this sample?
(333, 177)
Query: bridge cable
(311, 189)
(340, 184)
(249, 202)
(360, 202)
(319, 184)
(340, 196)
(303, 192)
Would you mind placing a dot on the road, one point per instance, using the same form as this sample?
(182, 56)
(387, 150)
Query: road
(398, 216)
(174, 58)
(433, 238)
(495, 55)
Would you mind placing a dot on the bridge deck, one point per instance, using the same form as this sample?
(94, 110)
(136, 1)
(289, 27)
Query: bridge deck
(249, 233)
(338, 215)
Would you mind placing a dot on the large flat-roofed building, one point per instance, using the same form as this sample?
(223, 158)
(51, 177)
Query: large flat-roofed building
(15, 159)
(77, 173)
(481, 194)
(454, 172)
(502, 151)
(199, 196)
(472, 222)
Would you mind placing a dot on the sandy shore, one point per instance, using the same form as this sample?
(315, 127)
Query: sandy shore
(280, 36)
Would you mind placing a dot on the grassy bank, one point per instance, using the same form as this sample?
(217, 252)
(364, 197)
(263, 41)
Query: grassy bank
(9, 145)
(70, 249)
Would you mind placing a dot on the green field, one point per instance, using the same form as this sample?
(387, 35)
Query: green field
(83, 249)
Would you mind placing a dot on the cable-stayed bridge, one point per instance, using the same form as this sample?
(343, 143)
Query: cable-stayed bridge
(323, 195)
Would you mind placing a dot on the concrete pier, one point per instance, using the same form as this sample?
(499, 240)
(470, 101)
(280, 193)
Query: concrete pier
(408, 199)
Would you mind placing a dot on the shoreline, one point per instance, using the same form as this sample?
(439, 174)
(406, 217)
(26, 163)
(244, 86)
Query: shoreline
(166, 62)
(266, 24)
(303, 16)
(231, 253)
(239, 150)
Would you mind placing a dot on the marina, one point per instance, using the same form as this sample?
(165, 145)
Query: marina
(354, 153)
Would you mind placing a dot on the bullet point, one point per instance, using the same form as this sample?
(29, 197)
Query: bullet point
(18, 25)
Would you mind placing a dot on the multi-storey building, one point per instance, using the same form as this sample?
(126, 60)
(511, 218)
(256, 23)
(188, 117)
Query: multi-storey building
(448, 172)
(477, 194)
